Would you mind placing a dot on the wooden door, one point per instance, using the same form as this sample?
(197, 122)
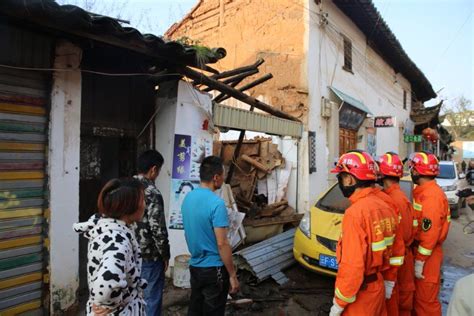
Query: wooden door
(347, 140)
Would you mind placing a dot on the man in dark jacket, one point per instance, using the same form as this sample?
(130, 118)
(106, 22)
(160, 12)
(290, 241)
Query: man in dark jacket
(151, 232)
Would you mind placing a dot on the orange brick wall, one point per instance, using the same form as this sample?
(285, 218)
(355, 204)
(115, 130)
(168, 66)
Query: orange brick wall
(250, 29)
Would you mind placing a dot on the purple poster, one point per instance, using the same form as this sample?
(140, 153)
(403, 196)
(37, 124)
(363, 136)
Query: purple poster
(181, 156)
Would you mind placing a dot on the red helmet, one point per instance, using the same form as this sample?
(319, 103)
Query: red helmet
(357, 163)
(391, 165)
(425, 164)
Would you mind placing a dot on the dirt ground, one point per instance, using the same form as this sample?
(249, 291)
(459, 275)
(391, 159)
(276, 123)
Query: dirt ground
(307, 293)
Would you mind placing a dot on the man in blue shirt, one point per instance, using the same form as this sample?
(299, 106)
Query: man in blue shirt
(205, 221)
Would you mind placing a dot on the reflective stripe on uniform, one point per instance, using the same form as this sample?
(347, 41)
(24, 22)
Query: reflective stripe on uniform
(389, 240)
(343, 298)
(417, 206)
(424, 251)
(415, 223)
(379, 245)
(399, 218)
(449, 218)
(397, 261)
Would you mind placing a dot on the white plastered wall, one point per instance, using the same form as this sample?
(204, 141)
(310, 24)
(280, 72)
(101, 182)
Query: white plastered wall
(63, 164)
(373, 82)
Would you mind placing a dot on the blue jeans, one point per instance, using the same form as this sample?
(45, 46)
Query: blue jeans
(152, 272)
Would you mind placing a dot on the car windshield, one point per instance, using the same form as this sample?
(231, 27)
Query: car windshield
(446, 172)
(335, 202)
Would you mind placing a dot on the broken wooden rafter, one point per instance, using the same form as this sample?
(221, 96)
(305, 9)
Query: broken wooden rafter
(255, 163)
(273, 220)
(239, 77)
(221, 97)
(237, 71)
(203, 79)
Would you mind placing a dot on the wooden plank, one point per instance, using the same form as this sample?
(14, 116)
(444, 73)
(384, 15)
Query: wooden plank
(20, 203)
(21, 184)
(23, 137)
(12, 146)
(203, 79)
(21, 308)
(36, 165)
(19, 222)
(33, 312)
(17, 108)
(9, 263)
(273, 220)
(20, 289)
(23, 90)
(21, 175)
(23, 118)
(20, 251)
(19, 300)
(21, 156)
(18, 242)
(21, 271)
(22, 100)
(22, 127)
(21, 194)
(18, 213)
(19, 232)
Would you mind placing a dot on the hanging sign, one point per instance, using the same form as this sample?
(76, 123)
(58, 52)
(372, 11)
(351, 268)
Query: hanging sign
(181, 156)
(407, 138)
(384, 121)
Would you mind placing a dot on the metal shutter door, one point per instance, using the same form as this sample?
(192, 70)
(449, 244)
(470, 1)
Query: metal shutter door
(23, 198)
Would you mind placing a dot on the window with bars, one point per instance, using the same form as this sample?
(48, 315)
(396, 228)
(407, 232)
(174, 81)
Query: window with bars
(347, 54)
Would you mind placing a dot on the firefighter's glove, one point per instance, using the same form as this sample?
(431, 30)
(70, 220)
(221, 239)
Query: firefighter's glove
(419, 269)
(336, 310)
(389, 285)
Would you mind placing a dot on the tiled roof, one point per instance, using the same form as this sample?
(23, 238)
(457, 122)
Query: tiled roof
(74, 21)
(365, 15)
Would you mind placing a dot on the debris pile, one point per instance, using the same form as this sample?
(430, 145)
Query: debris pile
(259, 181)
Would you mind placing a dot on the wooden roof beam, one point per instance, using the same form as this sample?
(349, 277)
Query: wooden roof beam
(213, 83)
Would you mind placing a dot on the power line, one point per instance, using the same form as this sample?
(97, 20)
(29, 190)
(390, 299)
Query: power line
(88, 71)
(454, 39)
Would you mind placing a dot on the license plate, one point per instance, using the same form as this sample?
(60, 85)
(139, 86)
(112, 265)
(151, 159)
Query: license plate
(328, 262)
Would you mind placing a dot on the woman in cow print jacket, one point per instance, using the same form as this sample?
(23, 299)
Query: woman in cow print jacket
(114, 258)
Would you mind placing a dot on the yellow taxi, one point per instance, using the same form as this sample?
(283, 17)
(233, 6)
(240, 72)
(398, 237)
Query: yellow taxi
(316, 237)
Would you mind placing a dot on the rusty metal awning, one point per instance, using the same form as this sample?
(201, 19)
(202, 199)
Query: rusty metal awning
(240, 119)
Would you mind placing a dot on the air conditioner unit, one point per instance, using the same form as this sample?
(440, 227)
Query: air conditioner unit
(326, 107)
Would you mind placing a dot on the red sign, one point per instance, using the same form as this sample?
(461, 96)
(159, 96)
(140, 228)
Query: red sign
(384, 121)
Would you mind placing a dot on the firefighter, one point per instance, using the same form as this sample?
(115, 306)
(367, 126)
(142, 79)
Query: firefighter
(397, 248)
(362, 253)
(390, 171)
(430, 202)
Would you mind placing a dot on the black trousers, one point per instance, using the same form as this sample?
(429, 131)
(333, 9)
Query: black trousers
(209, 289)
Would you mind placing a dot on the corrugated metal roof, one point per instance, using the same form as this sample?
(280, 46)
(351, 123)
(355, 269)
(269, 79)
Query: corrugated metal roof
(269, 257)
(76, 21)
(235, 118)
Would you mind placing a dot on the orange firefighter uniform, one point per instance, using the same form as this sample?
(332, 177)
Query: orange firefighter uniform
(363, 252)
(431, 203)
(406, 273)
(397, 254)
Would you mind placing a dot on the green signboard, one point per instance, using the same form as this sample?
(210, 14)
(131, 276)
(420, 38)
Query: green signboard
(412, 138)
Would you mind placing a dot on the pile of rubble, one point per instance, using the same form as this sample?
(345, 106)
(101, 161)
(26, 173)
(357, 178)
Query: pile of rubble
(259, 182)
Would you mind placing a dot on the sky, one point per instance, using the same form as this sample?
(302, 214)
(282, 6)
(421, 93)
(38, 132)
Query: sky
(438, 35)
